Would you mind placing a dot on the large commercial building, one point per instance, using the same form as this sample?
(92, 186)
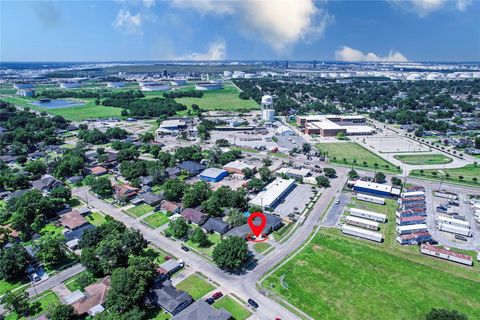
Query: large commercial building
(204, 86)
(213, 174)
(273, 193)
(376, 189)
(153, 86)
(331, 125)
(69, 85)
(237, 166)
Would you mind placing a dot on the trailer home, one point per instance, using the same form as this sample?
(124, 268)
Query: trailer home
(405, 221)
(454, 222)
(454, 229)
(414, 238)
(363, 223)
(414, 228)
(362, 233)
(446, 254)
(371, 199)
(374, 216)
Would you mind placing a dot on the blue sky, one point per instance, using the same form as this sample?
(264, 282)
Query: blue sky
(390, 30)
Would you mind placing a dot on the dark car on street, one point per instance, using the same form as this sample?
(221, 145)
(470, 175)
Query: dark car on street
(253, 303)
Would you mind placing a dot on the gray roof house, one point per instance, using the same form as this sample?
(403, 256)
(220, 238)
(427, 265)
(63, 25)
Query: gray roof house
(273, 223)
(216, 225)
(192, 167)
(151, 198)
(200, 310)
(46, 183)
(194, 216)
(164, 295)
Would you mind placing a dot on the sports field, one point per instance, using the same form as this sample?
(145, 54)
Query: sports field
(334, 277)
(469, 174)
(422, 159)
(225, 99)
(348, 153)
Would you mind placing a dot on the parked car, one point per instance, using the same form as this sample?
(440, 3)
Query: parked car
(167, 258)
(217, 295)
(185, 249)
(209, 300)
(459, 237)
(253, 303)
(337, 201)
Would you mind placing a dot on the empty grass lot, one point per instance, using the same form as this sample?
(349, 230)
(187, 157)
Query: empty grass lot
(140, 210)
(196, 286)
(156, 220)
(334, 275)
(225, 99)
(96, 218)
(213, 238)
(348, 153)
(422, 159)
(469, 174)
(237, 311)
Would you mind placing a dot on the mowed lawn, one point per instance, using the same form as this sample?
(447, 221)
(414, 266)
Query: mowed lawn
(348, 153)
(214, 238)
(156, 220)
(337, 277)
(140, 210)
(469, 174)
(225, 99)
(196, 286)
(96, 218)
(237, 311)
(422, 159)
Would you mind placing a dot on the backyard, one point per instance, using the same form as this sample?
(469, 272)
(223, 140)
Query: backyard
(350, 271)
(196, 286)
(350, 153)
(423, 159)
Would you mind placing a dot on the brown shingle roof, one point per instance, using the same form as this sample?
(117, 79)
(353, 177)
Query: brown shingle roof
(95, 294)
(72, 220)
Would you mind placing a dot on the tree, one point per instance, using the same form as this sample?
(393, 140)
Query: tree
(442, 314)
(323, 181)
(380, 177)
(477, 142)
(341, 136)
(267, 162)
(213, 205)
(199, 237)
(247, 172)
(196, 194)
(128, 290)
(174, 189)
(396, 181)
(306, 147)
(63, 312)
(36, 167)
(255, 184)
(102, 186)
(265, 174)
(222, 143)
(352, 174)
(178, 228)
(236, 218)
(16, 301)
(231, 254)
(51, 250)
(147, 137)
(13, 262)
(61, 192)
(330, 172)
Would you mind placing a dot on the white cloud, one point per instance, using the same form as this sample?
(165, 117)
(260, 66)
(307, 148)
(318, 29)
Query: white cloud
(128, 22)
(425, 7)
(278, 23)
(216, 51)
(354, 55)
(148, 3)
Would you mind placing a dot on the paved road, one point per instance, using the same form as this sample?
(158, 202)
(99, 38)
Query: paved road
(244, 286)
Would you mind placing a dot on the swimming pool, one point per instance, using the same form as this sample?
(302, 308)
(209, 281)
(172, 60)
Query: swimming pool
(58, 103)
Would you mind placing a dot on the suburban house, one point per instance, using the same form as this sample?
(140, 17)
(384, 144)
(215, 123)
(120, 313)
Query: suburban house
(146, 181)
(151, 198)
(46, 184)
(166, 296)
(194, 216)
(169, 267)
(193, 168)
(91, 300)
(170, 206)
(216, 225)
(73, 220)
(98, 171)
(172, 172)
(273, 223)
(124, 191)
(200, 310)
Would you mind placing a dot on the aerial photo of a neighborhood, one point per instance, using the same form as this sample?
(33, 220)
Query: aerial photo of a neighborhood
(240, 159)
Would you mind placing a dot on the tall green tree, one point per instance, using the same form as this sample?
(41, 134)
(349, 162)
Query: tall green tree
(231, 254)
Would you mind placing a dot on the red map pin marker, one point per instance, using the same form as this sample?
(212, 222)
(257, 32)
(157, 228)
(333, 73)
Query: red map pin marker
(257, 229)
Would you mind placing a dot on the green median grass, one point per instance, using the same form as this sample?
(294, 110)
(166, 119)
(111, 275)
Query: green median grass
(423, 159)
(237, 311)
(196, 286)
(340, 277)
(467, 175)
(351, 153)
(140, 210)
(156, 219)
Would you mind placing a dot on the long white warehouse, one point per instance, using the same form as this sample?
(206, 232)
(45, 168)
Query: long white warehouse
(270, 196)
(363, 223)
(371, 199)
(362, 233)
(454, 229)
(446, 254)
(413, 228)
(374, 216)
(454, 222)
(413, 194)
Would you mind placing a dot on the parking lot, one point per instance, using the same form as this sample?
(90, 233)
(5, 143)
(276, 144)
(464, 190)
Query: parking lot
(392, 143)
(296, 200)
(336, 210)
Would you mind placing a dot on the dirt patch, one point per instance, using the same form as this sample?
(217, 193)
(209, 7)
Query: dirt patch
(316, 247)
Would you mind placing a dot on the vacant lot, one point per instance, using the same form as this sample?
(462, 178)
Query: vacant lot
(334, 277)
(226, 99)
(196, 286)
(213, 238)
(140, 210)
(469, 174)
(156, 220)
(96, 218)
(422, 159)
(349, 153)
(237, 311)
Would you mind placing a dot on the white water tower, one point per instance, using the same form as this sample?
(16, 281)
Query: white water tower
(268, 113)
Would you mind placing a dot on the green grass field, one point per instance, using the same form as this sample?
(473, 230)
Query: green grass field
(156, 220)
(140, 210)
(422, 159)
(468, 174)
(96, 218)
(196, 286)
(6, 286)
(226, 99)
(261, 247)
(349, 153)
(237, 311)
(46, 302)
(213, 238)
(338, 277)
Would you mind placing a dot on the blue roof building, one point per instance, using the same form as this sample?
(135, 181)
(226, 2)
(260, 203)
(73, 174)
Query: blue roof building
(213, 174)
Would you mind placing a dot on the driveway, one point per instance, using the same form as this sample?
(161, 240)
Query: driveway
(336, 210)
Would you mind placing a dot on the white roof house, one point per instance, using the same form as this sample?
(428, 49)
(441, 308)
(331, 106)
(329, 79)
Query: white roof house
(272, 193)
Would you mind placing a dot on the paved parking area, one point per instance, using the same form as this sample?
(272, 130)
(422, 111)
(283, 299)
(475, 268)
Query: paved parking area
(336, 210)
(297, 198)
(392, 144)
